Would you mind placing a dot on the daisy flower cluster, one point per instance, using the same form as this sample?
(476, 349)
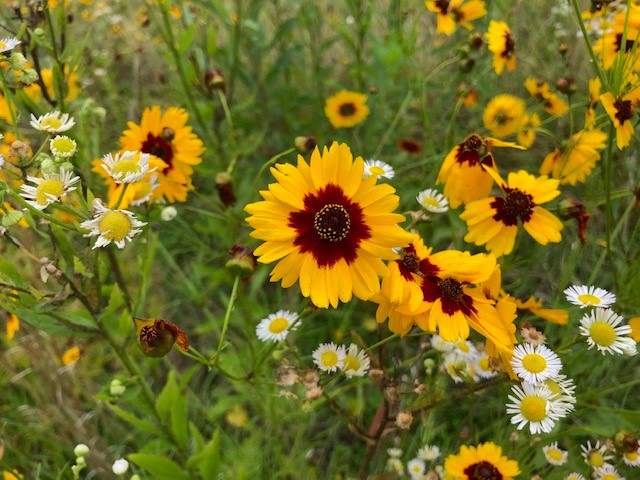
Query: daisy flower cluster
(352, 361)
(463, 361)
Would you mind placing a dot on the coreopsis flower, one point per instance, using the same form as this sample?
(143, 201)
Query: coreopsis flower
(48, 189)
(603, 330)
(594, 98)
(53, 122)
(533, 405)
(9, 43)
(156, 336)
(452, 12)
(346, 109)
(167, 137)
(552, 104)
(432, 201)
(327, 227)
(127, 167)
(136, 193)
(574, 162)
(502, 45)
(62, 146)
(482, 461)
(355, 362)
(621, 110)
(505, 115)
(276, 326)
(555, 455)
(463, 170)
(494, 221)
(378, 168)
(589, 296)
(535, 364)
(527, 134)
(329, 357)
(117, 226)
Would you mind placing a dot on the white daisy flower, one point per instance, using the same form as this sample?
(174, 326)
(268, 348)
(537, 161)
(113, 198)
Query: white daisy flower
(53, 122)
(378, 168)
(9, 43)
(394, 452)
(607, 472)
(533, 405)
(395, 465)
(355, 363)
(574, 476)
(329, 357)
(483, 366)
(429, 453)
(277, 326)
(1, 160)
(143, 191)
(455, 367)
(554, 455)
(127, 167)
(563, 390)
(62, 146)
(49, 188)
(589, 296)
(416, 467)
(603, 331)
(535, 364)
(433, 201)
(441, 344)
(117, 226)
(465, 350)
(595, 456)
(632, 459)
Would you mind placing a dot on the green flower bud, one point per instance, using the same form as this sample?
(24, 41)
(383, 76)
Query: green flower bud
(17, 61)
(11, 217)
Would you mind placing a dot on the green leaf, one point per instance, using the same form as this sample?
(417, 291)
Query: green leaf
(139, 423)
(59, 324)
(207, 461)
(63, 243)
(159, 467)
(172, 408)
(185, 39)
(9, 274)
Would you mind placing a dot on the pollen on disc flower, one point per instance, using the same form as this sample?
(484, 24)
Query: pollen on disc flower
(505, 115)
(502, 45)
(573, 163)
(575, 476)
(126, 167)
(589, 296)
(416, 467)
(494, 221)
(329, 357)
(484, 461)
(277, 326)
(607, 472)
(603, 331)
(9, 43)
(378, 168)
(327, 227)
(631, 459)
(167, 137)
(346, 109)
(53, 122)
(356, 362)
(595, 456)
(535, 364)
(433, 201)
(452, 12)
(49, 188)
(62, 146)
(429, 453)
(554, 455)
(533, 405)
(117, 226)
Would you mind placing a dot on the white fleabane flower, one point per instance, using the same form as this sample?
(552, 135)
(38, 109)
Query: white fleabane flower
(120, 466)
(144, 189)
(9, 43)
(441, 344)
(126, 167)
(483, 366)
(433, 201)
(533, 405)
(595, 456)
(416, 467)
(277, 326)
(607, 472)
(589, 296)
(535, 364)
(48, 189)
(53, 122)
(62, 146)
(378, 168)
(117, 226)
(632, 459)
(329, 357)
(555, 455)
(603, 331)
(574, 476)
(356, 362)
(429, 453)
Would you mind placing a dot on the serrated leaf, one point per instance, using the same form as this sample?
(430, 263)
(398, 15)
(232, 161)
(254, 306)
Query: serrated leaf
(139, 423)
(159, 467)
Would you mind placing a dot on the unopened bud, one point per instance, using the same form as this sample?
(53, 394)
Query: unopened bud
(66, 166)
(214, 79)
(476, 42)
(17, 61)
(28, 76)
(305, 144)
(116, 388)
(563, 48)
(224, 185)
(625, 442)
(404, 419)
(242, 261)
(168, 213)
(468, 65)
(11, 217)
(81, 450)
(566, 85)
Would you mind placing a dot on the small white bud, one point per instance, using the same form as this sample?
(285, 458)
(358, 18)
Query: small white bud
(168, 213)
(81, 450)
(120, 466)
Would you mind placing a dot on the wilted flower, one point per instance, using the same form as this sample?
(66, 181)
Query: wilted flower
(156, 336)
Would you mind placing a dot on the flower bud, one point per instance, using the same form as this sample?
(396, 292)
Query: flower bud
(66, 166)
(625, 442)
(28, 76)
(224, 185)
(49, 166)
(156, 336)
(475, 41)
(404, 419)
(168, 213)
(120, 466)
(81, 450)
(17, 61)
(81, 462)
(568, 208)
(116, 388)
(563, 48)
(11, 217)
(305, 144)
(242, 261)
(214, 79)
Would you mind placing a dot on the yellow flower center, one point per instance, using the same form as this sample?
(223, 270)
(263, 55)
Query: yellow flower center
(484, 363)
(555, 455)
(2, 45)
(462, 345)
(351, 363)
(52, 187)
(534, 363)
(430, 202)
(52, 122)
(375, 170)
(586, 298)
(278, 325)
(553, 386)
(329, 358)
(596, 459)
(125, 166)
(631, 456)
(602, 333)
(115, 226)
(63, 145)
(610, 476)
(533, 408)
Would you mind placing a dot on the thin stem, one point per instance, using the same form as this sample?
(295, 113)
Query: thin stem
(587, 41)
(117, 272)
(121, 197)
(227, 316)
(394, 123)
(381, 342)
(38, 213)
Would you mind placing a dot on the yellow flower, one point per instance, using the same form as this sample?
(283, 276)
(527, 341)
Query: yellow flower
(502, 46)
(527, 135)
(70, 356)
(346, 109)
(634, 323)
(484, 461)
(167, 136)
(621, 111)
(550, 101)
(553, 315)
(504, 115)
(327, 227)
(574, 162)
(594, 99)
(13, 325)
(493, 221)
(463, 170)
(456, 11)
(237, 416)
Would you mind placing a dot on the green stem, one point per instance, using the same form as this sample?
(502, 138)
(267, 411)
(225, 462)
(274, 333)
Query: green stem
(117, 272)
(587, 41)
(122, 192)
(394, 123)
(608, 161)
(38, 213)
(227, 316)
(381, 342)
(56, 57)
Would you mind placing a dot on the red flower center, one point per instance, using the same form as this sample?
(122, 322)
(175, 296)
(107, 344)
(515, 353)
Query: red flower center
(509, 46)
(411, 261)
(347, 109)
(442, 5)
(624, 110)
(482, 471)
(451, 295)
(330, 226)
(160, 146)
(516, 204)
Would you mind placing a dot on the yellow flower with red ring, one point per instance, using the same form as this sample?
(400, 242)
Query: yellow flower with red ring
(452, 12)
(621, 111)
(574, 162)
(480, 462)
(502, 45)
(346, 109)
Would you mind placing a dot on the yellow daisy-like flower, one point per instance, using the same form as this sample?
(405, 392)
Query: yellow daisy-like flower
(455, 12)
(484, 461)
(527, 135)
(502, 45)
(327, 226)
(13, 325)
(574, 162)
(463, 170)
(550, 101)
(621, 111)
(504, 115)
(553, 315)
(493, 221)
(594, 98)
(167, 136)
(71, 355)
(346, 109)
